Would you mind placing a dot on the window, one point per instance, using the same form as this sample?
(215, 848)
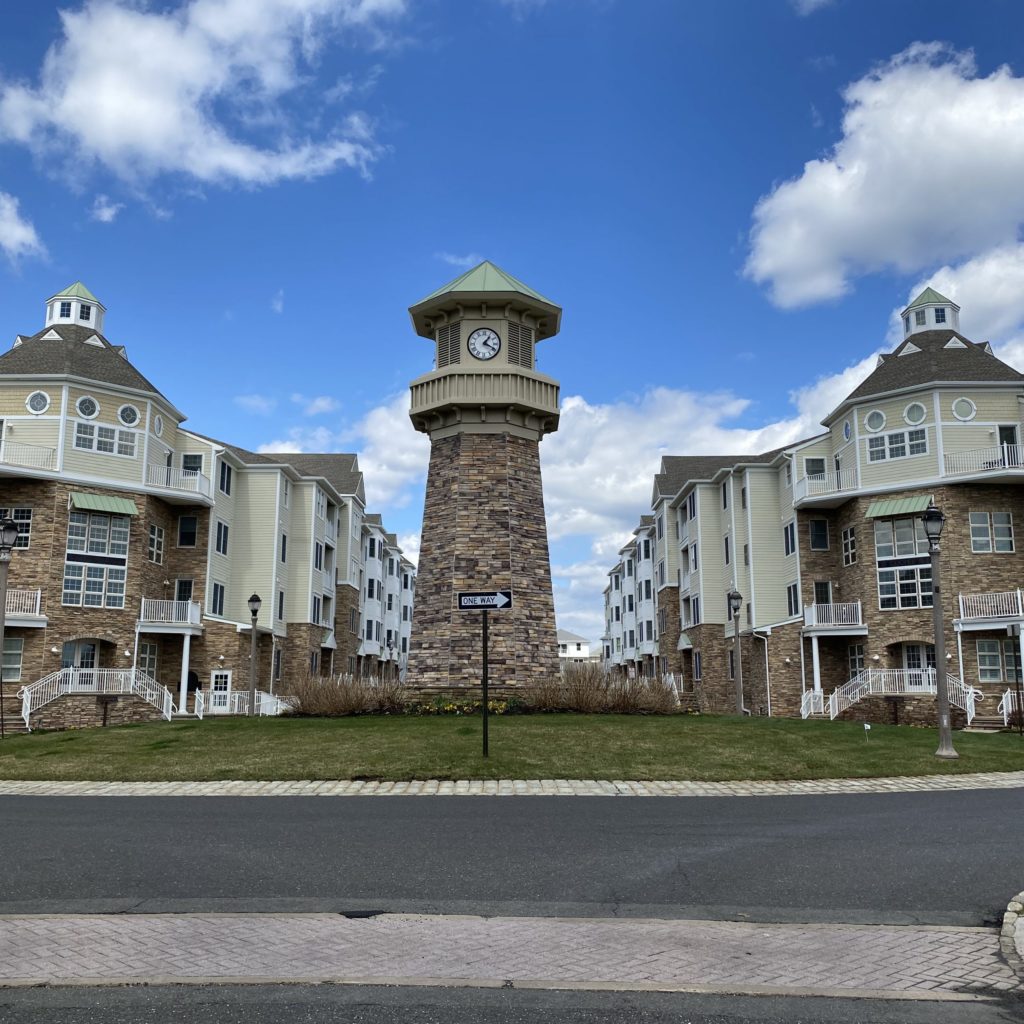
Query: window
(405, 645)
(904, 568)
(789, 537)
(875, 420)
(725, 494)
(662, 620)
(158, 425)
(391, 567)
(85, 311)
(743, 497)
(277, 664)
(191, 464)
(90, 436)
(10, 665)
(391, 602)
(371, 548)
(88, 407)
(647, 549)
(65, 310)
(847, 430)
(225, 477)
(286, 490)
(155, 551)
(647, 590)
(814, 467)
(369, 630)
(822, 592)
(793, 599)
(691, 505)
(38, 402)
(103, 585)
(919, 316)
(318, 555)
(217, 605)
(405, 581)
(183, 589)
(964, 409)
(629, 603)
(855, 659)
(222, 538)
(696, 611)
(650, 629)
(696, 666)
(284, 547)
(693, 558)
(369, 588)
(280, 605)
(819, 535)
(188, 530)
(23, 517)
(940, 315)
(991, 531)
(629, 567)
(914, 413)
(789, 474)
(1011, 660)
(128, 415)
(405, 613)
(314, 661)
(661, 574)
(731, 662)
(726, 546)
(320, 504)
(661, 527)
(849, 545)
(746, 554)
(96, 534)
(147, 658)
(316, 608)
(353, 619)
(898, 445)
(990, 665)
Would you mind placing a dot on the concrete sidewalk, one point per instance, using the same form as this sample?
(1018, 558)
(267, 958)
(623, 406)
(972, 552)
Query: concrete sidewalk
(641, 955)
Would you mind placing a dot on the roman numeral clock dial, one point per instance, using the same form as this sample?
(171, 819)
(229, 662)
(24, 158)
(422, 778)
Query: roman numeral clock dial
(484, 343)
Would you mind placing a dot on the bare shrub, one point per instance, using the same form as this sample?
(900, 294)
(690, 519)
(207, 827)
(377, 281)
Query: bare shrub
(588, 689)
(344, 694)
(547, 695)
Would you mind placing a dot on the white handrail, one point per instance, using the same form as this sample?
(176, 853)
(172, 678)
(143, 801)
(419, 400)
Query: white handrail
(1008, 706)
(178, 479)
(23, 602)
(908, 681)
(812, 703)
(1006, 604)
(843, 613)
(17, 453)
(824, 483)
(985, 460)
(200, 705)
(150, 690)
(185, 613)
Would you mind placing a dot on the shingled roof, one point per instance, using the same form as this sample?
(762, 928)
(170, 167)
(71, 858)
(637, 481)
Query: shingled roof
(73, 354)
(340, 469)
(933, 362)
(679, 470)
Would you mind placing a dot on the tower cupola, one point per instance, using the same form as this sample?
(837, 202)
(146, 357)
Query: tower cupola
(75, 305)
(930, 311)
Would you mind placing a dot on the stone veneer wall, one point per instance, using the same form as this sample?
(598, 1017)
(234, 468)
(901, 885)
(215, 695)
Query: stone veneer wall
(668, 638)
(483, 529)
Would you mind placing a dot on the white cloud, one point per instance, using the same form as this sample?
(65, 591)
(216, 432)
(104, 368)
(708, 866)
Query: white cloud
(259, 404)
(18, 236)
(199, 90)
(277, 302)
(105, 210)
(805, 7)
(928, 169)
(316, 406)
(410, 545)
(469, 260)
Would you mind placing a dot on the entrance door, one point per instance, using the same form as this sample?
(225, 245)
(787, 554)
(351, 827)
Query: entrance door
(822, 592)
(917, 659)
(80, 656)
(183, 590)
(1008, 444)
(220, 693)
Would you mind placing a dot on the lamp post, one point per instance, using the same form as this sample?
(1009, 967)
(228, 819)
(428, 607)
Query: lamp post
(8, 538)
(735, 599)
(391, 653)
(254, 610)
(934, 520)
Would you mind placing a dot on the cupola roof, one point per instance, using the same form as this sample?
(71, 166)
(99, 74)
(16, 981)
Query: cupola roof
(76, 291)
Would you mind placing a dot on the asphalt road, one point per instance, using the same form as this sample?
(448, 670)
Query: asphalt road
(341, 1005)
(937, 858)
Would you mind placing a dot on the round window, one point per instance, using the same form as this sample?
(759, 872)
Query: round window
(875, 420)
(38, 402)
(158, 425)
(964, 409)
(128, 415)
(87, 407)
(914, 413)
(847, 430)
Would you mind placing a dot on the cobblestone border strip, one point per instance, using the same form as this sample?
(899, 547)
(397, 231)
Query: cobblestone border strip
(522, 787)
(1011, 936)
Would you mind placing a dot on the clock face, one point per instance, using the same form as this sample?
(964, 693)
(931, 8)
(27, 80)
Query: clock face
(484, 343)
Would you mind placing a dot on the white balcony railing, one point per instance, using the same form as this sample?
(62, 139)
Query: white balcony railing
(23, 602)
(824, 483)
(985, 460)
(1008, 604)
(173, 613)
(846, 613)
(902, 681)
(94, 680)
(178, 480)
(812, 703)
(32, 455)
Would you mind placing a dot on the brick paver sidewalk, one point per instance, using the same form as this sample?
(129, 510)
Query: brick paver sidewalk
(908, 962)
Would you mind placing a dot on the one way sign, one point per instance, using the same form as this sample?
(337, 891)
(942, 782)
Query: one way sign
(491, 599)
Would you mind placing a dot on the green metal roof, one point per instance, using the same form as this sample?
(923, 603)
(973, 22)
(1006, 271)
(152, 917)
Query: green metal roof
(77, 291)
(891, 507)
(929, 295)
(103, 503)
(486, 277)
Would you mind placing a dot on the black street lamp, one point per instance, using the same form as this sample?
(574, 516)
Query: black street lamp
(934, 521)
(8, 538)
(735, 599)
(254, 610)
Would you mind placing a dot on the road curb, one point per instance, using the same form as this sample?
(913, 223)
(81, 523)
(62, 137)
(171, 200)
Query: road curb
(1009, 942)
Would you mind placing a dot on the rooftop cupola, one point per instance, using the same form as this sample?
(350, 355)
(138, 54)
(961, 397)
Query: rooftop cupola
(75, 305)
(931, 311)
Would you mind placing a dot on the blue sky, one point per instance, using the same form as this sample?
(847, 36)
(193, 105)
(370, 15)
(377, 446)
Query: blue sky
(728, 198)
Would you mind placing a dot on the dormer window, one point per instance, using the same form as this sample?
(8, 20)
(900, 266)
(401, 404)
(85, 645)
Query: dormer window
(65, 310)
(919, 316)
(940, 315)
(85, 311)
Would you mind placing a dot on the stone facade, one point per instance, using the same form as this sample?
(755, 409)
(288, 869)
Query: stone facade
(483, 529)
(670, 657)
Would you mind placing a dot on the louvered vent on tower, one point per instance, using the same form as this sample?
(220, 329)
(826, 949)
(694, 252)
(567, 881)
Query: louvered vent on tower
(520, 345)
(449, 344)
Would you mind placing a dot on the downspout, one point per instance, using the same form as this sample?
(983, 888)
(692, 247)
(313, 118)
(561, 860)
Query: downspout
(767, 672)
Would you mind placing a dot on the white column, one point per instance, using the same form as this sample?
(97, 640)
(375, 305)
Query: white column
(960, 653)
(186, 643)
(816, 663)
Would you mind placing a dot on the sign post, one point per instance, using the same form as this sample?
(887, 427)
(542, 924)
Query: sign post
(485, 601)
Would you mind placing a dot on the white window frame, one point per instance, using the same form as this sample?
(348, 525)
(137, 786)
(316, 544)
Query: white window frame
(221, 542)
(155, 546)
(789, 538)
(990, 661)
(22, 515)
(11, 669)
(985, 540)
(218, 594)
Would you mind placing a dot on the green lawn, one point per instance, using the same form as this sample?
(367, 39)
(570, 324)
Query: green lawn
(522, 747)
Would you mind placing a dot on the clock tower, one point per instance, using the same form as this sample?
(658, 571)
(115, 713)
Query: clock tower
(486, 409)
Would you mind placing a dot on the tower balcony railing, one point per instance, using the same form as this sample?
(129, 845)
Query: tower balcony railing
(178, 480)
(32, 456)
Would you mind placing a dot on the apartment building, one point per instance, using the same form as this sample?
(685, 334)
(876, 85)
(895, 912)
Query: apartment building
(823, 540)
(142, 542)
(574, 649)
(631, 638)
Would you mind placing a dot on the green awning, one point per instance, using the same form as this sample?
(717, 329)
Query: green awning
(103, 503)
(892, 507)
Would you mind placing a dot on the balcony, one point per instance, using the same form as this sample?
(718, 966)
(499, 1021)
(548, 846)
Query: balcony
(24, 608)
(824, 488)
(992, 610)
(170, 617)
(28, 456)
(178, 480)
(840, 617)
(1001, 460)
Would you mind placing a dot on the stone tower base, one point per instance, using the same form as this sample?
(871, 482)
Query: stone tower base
(483, 529)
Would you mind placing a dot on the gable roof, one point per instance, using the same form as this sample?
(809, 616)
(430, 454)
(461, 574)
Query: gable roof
(69, 355)
(565, 637)
(340, 469)
(934, 363)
